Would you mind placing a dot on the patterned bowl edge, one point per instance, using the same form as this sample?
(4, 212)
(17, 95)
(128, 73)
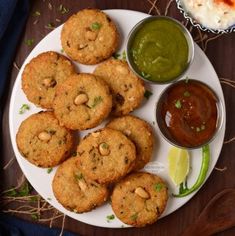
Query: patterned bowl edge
(201, 27)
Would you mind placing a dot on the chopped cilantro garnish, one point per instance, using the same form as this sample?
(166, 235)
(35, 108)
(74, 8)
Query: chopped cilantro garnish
(34, 198)
(158, 187)
(34, 216)
(110, 217)
(23, 109)
(187, 94)
(120, 56)
(63, 9)
(116, 55)
(96, 26)
(62, 50)
(50, 26)
(134, 217)
(96, 101)
(124, 55)
(49, 170)
(178, 104)
(11, 193)
(29, 42)
(22, 192)
(36, 13)
(147, 94)
(79, 176)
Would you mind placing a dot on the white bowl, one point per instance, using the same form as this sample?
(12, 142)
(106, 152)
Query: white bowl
(195, 23)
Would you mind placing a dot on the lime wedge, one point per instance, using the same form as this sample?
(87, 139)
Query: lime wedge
(178, 164)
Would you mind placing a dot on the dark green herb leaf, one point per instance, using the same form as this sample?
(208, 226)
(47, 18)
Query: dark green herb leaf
(11, 193)
(23, 108)
(97, 100)
(79, 176)
(110, 217)
(120, 56)
(24, 190)
(116, 55)
(178, 104)
(49, 170)
(29, 42)
(34, 198)
(134, 217)
(187, 94)
(96, 26)
(50, 26)
(35, 216)
(148, 94)
(124, 55)
(158, 187)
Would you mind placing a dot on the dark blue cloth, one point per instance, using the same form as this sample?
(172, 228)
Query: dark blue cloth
(13, 15)
(11, 226)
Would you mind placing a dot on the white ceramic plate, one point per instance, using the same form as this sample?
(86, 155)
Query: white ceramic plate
(201, 69)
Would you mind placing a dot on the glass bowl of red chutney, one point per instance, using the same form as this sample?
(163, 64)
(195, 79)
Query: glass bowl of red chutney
(189, 114)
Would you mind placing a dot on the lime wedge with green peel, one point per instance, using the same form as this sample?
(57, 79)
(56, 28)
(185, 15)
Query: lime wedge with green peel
(178, 164)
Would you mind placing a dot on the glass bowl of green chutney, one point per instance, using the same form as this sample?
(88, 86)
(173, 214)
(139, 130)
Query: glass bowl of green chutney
(159, 49)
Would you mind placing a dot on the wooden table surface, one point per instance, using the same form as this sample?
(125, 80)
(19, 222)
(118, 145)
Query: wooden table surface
(221, 53)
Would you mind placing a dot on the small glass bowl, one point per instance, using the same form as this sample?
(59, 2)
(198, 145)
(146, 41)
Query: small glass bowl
(163, 128)
(141, 24)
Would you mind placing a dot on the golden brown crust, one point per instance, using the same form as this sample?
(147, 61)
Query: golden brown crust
(116, 161)
(42, 75)
(76, 192)
(127, 89)
(135, 208)
(89, 36)
(42, 141)
(88, 114)
(140, 133)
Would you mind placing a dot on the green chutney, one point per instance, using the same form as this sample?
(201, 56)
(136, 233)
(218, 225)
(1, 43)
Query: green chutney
(160, 50)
